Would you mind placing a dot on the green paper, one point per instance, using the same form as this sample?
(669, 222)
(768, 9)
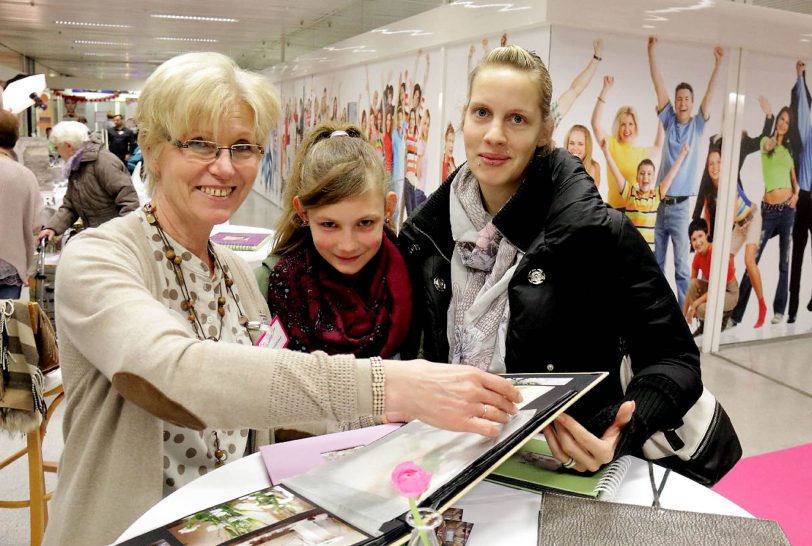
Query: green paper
(516, 473)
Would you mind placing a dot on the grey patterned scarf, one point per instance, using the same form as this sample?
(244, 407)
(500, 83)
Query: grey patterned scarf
(482, 265)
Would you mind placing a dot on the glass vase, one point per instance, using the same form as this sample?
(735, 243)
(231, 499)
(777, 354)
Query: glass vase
(424, 533)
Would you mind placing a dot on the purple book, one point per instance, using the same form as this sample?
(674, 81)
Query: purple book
(241, 241)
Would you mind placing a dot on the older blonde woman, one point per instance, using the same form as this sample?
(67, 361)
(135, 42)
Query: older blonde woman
(621, 142)
(157, 325)
(99, 186)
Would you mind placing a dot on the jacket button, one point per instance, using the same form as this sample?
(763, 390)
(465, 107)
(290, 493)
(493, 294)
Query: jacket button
(550, 367)
(414, 248)
(536, 276)
(439, 284)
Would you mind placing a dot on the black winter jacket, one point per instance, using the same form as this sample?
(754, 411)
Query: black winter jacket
(578, 318)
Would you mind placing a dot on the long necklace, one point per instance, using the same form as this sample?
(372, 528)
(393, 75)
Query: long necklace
(188, 302)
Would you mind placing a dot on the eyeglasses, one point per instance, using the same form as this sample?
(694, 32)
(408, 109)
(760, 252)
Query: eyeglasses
(206, 151)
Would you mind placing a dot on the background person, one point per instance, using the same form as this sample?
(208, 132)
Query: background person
(502, 261)
(747, 215)
(697, 296)
(681, 127)
(781, 193)
(155, 325)
(120, 139)
(578, 142)
(641, 198)
(621, 142)
(802, 227)
(99, 186)
(20, 204)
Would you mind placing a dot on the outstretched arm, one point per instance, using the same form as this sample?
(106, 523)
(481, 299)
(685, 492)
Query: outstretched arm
(426, 75)
(799, 103)
(672, 172)
(656, 75)
(768, 117)
(612, 166)
(608, 81)
(654, 150)
(718, 53)
(567, 98)
(369, 94)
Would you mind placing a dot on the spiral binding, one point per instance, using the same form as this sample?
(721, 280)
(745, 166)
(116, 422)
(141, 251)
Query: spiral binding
(613, 477)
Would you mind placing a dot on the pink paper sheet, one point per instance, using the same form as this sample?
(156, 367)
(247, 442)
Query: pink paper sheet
(777, 486)
(288, 459)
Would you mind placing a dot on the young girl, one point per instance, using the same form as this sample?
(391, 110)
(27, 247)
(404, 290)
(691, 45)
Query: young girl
(335, 278)
(449, 166)
(579, 143)
(503, 260)
(781, 193)
(641, 198)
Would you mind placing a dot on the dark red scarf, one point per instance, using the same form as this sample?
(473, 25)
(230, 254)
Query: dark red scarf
(323, 310)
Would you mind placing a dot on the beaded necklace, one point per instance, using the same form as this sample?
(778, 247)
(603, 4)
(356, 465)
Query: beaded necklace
(188, 302)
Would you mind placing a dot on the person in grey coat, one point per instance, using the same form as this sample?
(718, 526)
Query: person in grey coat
(99, 187)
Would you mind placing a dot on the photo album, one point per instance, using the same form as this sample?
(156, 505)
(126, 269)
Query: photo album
(336, 489)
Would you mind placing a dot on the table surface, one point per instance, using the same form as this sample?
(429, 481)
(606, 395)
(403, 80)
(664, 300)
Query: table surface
(500, 515)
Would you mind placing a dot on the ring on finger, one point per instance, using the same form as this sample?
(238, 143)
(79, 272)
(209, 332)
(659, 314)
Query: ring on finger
(570, 463)
(484, 411)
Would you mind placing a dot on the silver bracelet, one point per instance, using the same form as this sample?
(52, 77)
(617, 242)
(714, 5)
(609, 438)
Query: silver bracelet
(378, 385)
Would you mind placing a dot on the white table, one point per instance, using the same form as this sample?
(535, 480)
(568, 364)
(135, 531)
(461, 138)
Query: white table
(500, 515)
(253, 257)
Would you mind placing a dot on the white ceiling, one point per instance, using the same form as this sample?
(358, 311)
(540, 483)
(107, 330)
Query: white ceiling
(266, 32)
(294, 34)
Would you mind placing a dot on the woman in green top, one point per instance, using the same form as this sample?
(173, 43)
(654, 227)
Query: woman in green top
(777, 210)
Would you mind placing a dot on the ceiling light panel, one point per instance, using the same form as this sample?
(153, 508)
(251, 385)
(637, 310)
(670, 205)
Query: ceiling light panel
(101, 43)
(194, 18)
(91, 24)
(177, 39)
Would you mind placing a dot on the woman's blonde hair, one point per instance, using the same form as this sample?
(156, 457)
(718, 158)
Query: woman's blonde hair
(329, 167)
(621, 113)
(513, 56)
(590, 165)
(70, 132)
(194, 91)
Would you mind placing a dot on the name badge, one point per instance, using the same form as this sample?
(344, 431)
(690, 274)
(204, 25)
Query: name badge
(273, 335)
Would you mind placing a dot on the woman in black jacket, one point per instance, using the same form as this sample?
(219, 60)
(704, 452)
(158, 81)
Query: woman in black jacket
(505, 260)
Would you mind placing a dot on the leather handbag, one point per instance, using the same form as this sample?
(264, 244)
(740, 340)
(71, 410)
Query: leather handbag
(704, 447)
(45, 338)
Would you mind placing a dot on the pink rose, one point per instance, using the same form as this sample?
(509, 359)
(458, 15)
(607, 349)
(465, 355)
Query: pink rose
(410, 480)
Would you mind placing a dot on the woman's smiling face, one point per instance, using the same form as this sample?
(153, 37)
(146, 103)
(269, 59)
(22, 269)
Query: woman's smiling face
(204, 194)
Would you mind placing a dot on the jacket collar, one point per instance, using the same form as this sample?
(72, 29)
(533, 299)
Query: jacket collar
(556, 199)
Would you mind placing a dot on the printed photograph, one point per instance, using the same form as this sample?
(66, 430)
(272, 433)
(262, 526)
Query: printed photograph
(319, 529)
(241, 516)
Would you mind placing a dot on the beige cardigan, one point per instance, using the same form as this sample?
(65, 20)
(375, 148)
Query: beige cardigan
(128, 364)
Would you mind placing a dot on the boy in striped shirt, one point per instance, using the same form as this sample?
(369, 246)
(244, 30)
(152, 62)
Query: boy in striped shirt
(642, 197)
